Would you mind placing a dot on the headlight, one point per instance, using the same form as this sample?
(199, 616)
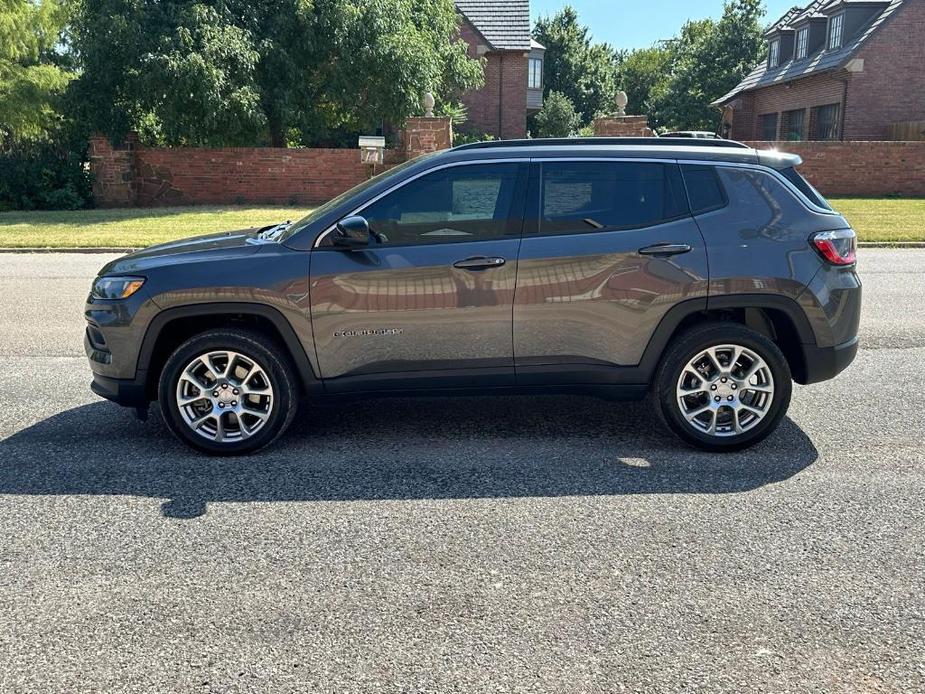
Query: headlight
(116, 287)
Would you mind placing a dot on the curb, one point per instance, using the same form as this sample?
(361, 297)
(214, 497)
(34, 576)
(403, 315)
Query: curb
(891, 244)
(102, 249)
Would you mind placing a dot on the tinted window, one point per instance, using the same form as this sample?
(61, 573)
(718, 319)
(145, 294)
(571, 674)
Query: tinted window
(804, 187)
(703, 188)
(589, 196)
(462, 203)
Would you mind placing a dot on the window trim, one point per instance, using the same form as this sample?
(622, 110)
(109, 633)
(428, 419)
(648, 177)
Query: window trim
(530, 64)
(840, 20)
(774, 53)
(836, 122)
(801, 48)
(787, 120)
(535, 228)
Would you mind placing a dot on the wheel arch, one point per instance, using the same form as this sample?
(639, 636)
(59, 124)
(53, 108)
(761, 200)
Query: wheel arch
(173, 326)
(779, 318)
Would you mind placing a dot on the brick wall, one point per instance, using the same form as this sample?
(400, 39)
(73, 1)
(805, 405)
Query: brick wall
(622, 126)
(130, 174)
(891, 87)
(818, 90)
(500, 106)
(860, 168)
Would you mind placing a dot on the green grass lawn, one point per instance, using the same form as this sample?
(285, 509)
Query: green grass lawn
(131, 228)
(883, 219)
(875, 219)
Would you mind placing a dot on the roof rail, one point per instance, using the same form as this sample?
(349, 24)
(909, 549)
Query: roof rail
(597, 141)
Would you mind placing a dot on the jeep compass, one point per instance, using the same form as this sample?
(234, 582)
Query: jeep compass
(704, 274)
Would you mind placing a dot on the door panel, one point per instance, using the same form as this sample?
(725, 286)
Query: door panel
(434, 291)
(586, 296)
(408, 309)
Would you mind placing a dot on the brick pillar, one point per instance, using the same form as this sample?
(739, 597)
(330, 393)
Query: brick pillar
(622, 126)
(113, 171)
(424, 135)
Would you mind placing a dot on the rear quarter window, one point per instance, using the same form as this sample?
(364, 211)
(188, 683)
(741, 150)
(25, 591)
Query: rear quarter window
(704, 189)
(804, 187)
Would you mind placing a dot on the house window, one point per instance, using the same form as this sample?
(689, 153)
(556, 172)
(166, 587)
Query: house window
(826, 122)
(802, 43)
(535, 77)
(794, 126)
(768, 126)
(774, 57)
(836, 28)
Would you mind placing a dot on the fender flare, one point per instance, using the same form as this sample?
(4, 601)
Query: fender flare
(291, 342)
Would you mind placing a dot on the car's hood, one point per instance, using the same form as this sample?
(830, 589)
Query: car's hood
(214, 246)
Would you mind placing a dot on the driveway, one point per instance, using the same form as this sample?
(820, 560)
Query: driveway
(513, 544)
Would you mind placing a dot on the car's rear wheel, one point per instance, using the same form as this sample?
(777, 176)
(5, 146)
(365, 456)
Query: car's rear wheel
(723, 387)
(228, 392)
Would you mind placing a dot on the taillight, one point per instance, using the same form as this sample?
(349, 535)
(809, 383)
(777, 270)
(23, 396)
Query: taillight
(837, 247)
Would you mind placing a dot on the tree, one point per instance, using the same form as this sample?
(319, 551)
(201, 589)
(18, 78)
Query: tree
(212, 72)
(640, 73)
(557, 118)
(30, 79)
(707, 60)
(583, 71)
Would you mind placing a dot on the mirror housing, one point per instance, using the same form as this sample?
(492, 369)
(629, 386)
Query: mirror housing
(351, 232)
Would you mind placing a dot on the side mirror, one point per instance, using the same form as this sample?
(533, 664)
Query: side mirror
(351, 232)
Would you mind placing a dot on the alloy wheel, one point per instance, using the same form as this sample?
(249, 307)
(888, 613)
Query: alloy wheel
(224, 396)
(725, 390)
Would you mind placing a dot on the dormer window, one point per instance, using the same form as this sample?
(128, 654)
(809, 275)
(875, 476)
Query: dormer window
(802, 48)
(774, 54)
(836, 29)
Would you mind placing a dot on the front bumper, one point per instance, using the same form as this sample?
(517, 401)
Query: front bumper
(125, 392)
(823, 363)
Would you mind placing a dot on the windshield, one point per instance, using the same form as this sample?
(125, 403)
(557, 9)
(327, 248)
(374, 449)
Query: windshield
(320, 212)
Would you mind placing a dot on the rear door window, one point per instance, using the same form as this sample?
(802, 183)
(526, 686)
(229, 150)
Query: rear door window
(582, 197)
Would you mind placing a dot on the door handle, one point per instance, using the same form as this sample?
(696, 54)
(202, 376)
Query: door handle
(665, 249)
(479, 263)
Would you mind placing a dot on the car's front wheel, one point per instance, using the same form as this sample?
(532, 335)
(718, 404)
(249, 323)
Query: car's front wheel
(723, 387)
(228, 392)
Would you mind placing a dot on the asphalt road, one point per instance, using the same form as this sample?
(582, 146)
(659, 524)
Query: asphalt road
(514, 544)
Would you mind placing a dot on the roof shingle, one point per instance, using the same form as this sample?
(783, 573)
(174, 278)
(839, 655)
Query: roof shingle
(505, 24)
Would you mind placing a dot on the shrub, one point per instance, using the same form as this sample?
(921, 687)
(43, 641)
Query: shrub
(44, 176)
(557, 118)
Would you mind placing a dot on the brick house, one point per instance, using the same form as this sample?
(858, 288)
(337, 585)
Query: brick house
(499, 32)
(836, 70)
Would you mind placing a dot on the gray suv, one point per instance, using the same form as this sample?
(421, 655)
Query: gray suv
(704, 273)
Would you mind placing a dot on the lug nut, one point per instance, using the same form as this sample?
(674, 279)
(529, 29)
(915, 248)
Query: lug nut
(733, 386)
(713, 387)
(724, 379)
(717, 398)
(215, 393)
(729, 398)
(224, 386)
(221, 405)
(235, 391)
(234, 403)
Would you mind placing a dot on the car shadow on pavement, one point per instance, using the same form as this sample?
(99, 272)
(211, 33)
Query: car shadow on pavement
(394, 449)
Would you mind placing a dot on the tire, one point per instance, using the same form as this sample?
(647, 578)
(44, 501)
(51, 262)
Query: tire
(700, 356)
(246, 407)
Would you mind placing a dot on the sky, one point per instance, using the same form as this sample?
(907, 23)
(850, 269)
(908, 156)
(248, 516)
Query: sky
(628, 24)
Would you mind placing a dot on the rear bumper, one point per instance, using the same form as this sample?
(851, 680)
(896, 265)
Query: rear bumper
(125, 392)
(823, 363)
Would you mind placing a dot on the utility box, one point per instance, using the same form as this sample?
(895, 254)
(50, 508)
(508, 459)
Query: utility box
(372, 149)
